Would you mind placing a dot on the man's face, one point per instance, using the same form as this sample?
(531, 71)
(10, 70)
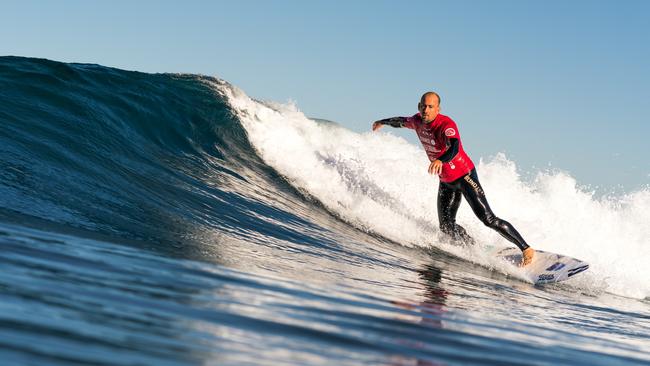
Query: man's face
(429, 108)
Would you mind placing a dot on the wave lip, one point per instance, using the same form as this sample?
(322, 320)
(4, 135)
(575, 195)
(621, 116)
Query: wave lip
(134, 156)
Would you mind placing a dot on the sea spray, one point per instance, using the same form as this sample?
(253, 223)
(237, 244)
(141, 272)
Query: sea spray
(378, 182)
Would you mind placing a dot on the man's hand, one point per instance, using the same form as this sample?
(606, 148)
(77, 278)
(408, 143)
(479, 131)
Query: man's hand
(435, 167)
(377, 125)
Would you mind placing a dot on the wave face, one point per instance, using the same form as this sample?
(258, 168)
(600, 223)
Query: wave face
(130, 155)
(171, 219)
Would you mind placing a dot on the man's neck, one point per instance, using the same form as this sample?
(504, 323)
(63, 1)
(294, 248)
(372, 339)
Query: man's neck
(431, 121)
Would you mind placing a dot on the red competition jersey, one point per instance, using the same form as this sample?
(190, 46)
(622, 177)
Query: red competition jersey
(434, 137)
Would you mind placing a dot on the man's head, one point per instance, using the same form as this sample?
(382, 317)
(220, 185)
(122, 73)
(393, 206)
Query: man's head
(429, 106)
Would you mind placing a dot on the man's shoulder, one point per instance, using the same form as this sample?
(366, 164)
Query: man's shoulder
(442, 121)
(446, 125)
(414, 120)
(445, 119)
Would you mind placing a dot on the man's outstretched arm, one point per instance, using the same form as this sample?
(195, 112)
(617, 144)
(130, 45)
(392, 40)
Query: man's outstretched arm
(393, 122)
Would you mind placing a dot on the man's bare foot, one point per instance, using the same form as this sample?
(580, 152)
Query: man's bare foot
(527, 256)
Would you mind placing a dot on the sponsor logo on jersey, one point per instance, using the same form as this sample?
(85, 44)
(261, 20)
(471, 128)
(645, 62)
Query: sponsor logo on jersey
(450, 132)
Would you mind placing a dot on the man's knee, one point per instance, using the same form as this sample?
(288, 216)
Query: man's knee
(490, 220)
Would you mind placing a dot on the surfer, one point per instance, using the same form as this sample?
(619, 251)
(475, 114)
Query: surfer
(441, 141)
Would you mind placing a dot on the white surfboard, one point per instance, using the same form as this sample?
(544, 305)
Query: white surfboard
(546, 267)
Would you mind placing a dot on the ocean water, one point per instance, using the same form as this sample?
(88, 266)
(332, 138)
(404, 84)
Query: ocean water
(170, 219)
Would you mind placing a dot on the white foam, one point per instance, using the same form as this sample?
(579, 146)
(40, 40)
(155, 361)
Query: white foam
(378, 182)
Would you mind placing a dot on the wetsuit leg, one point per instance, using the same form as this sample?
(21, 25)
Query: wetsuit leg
(448, 202)
(475, 196)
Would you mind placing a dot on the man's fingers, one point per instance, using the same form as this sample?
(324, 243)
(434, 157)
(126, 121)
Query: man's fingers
(435, 167)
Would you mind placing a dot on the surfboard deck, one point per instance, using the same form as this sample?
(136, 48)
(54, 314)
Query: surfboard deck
(546, 267)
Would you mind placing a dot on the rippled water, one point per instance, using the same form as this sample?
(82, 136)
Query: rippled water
(147, 219)
(69, 300)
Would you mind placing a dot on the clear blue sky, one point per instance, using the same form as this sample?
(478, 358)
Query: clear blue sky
(559, 82)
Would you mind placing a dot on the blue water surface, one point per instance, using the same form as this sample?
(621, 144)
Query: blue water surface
(138, 226)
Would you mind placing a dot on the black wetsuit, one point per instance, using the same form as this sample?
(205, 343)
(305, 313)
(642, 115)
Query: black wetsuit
(449, 196)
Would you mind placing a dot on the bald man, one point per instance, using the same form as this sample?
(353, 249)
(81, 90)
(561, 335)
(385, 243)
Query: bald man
(441, 141)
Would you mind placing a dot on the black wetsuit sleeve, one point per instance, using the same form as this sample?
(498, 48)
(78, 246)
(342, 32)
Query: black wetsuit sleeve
(393, 121)
(451, 151)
